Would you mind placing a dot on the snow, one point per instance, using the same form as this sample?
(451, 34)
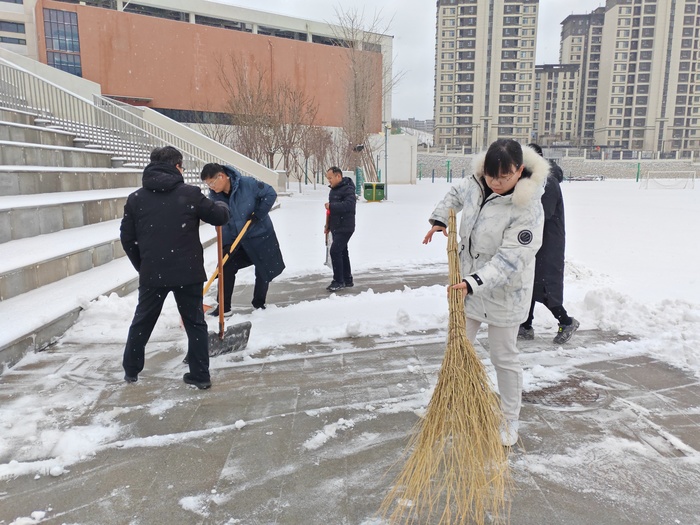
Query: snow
(632, 268)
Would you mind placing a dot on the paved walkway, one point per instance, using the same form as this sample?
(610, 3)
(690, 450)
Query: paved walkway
(314, 436)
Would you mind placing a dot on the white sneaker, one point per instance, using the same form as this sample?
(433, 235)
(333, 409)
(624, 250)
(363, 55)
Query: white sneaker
(509, 432)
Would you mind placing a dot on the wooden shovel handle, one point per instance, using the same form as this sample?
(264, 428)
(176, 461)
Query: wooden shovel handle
(220, 268)
(233, 247)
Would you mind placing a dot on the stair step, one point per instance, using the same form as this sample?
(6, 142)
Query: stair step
(23, 216)
(33, 320)
(25, 180)
(26, 153)
(16, 132)
(16, 115)
(37, 261)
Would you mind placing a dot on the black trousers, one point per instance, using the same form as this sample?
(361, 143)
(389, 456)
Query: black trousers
(342, 272)
(557, 311)
(189, 304)
(238, 260)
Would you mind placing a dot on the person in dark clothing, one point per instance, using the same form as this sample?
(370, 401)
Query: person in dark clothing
(160, 235)
(549, 262)
(341, 224)
(247, 198)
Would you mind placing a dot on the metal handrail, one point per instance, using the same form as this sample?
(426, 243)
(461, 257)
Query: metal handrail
(102, 121)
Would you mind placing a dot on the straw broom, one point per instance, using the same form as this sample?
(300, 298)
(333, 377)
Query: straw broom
(458, 470)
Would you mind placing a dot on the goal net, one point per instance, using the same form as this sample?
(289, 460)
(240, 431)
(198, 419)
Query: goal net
(668, 180)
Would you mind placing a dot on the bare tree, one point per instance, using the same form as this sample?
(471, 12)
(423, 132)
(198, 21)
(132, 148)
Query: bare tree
(250, 105)
(298, 112)
(367, 85)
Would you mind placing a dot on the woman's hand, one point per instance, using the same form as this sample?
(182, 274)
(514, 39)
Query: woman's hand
(459, 286)
(429, 235)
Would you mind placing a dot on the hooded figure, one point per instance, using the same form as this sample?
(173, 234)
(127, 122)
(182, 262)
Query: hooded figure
(500, 231)
(248, 199)
(160, 235)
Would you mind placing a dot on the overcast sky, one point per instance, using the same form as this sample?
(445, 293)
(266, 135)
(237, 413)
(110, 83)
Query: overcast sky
(412, 22)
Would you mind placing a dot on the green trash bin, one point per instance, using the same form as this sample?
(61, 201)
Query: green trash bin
(374, 191)
(379, 191)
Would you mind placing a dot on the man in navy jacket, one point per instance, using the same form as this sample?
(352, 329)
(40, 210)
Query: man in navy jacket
(247, 198)
(160, 235)
(341, 204)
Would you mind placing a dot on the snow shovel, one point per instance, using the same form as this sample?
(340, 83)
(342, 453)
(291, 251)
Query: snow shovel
(234, 337)
(231, 250)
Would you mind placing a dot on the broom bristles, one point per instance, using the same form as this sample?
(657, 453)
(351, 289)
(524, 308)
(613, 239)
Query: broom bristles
(458, 469)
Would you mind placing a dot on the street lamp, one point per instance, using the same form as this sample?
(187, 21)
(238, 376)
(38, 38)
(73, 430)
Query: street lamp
(387, 129)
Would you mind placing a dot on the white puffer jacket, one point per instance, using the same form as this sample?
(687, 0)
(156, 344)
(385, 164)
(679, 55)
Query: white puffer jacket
(499, 237)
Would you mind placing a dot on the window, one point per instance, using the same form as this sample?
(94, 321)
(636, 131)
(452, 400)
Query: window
(62, 41)
(11, 27)
(10, 40)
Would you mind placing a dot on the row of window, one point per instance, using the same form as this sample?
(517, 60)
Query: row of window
(11, 27)
(168, 14)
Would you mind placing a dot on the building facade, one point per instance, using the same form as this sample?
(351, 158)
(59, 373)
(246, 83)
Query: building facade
(172, 55)
(485, 71)
(581, 44)
(555, 115)
(651, 86)
(628, 77)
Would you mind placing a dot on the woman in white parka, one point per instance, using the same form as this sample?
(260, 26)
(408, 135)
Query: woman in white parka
(500, 232)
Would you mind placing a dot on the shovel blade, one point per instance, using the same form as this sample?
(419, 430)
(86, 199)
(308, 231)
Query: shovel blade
(235, 339)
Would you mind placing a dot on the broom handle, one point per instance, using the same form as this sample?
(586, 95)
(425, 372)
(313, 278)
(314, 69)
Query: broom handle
(220, 268)
(233, 247)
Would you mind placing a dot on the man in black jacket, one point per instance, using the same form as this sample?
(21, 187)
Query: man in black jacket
(160, 235)
(341, 224)
(549, 262)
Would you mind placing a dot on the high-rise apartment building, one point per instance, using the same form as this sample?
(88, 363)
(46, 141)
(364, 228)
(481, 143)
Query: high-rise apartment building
(649, 89)
(628, 77)
(555, 113)
(581, 44)
(485, 71)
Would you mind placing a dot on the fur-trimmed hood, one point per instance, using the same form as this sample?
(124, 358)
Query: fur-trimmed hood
(527, 188)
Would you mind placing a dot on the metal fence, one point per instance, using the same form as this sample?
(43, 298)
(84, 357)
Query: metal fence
(113, 127)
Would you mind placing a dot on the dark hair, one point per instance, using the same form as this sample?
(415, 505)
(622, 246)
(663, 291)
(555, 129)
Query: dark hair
(167, 155)
(211, 170)
(501, 156)
(537, 148)
(336, 170)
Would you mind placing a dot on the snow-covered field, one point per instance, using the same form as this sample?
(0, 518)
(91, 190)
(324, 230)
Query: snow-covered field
(633, 267)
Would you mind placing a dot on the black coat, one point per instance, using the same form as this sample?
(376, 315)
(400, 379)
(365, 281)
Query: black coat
(549, 262)
(160, 228)
(556, 171)
(250, 197)
(342, 200)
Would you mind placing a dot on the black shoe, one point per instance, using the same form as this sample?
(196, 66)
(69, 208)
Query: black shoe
(566, 331)
(261, 307)
(528, 334)
(334, 286)
(202, 385)
(215, 312)
(349, 284)
(130, 379)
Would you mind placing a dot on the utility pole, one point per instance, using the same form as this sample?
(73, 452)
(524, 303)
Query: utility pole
(387, 129)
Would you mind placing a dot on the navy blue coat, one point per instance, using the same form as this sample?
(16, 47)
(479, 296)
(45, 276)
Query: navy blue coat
(342, 200)
(549, 262)
(160, 228)
(251, 197)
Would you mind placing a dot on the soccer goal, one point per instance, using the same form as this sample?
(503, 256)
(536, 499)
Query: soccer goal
(668, 180)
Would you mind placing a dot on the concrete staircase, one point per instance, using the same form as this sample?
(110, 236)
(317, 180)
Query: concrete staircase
(61, 201)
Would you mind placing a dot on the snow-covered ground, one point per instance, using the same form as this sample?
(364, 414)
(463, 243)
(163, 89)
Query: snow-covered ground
(633, 266)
